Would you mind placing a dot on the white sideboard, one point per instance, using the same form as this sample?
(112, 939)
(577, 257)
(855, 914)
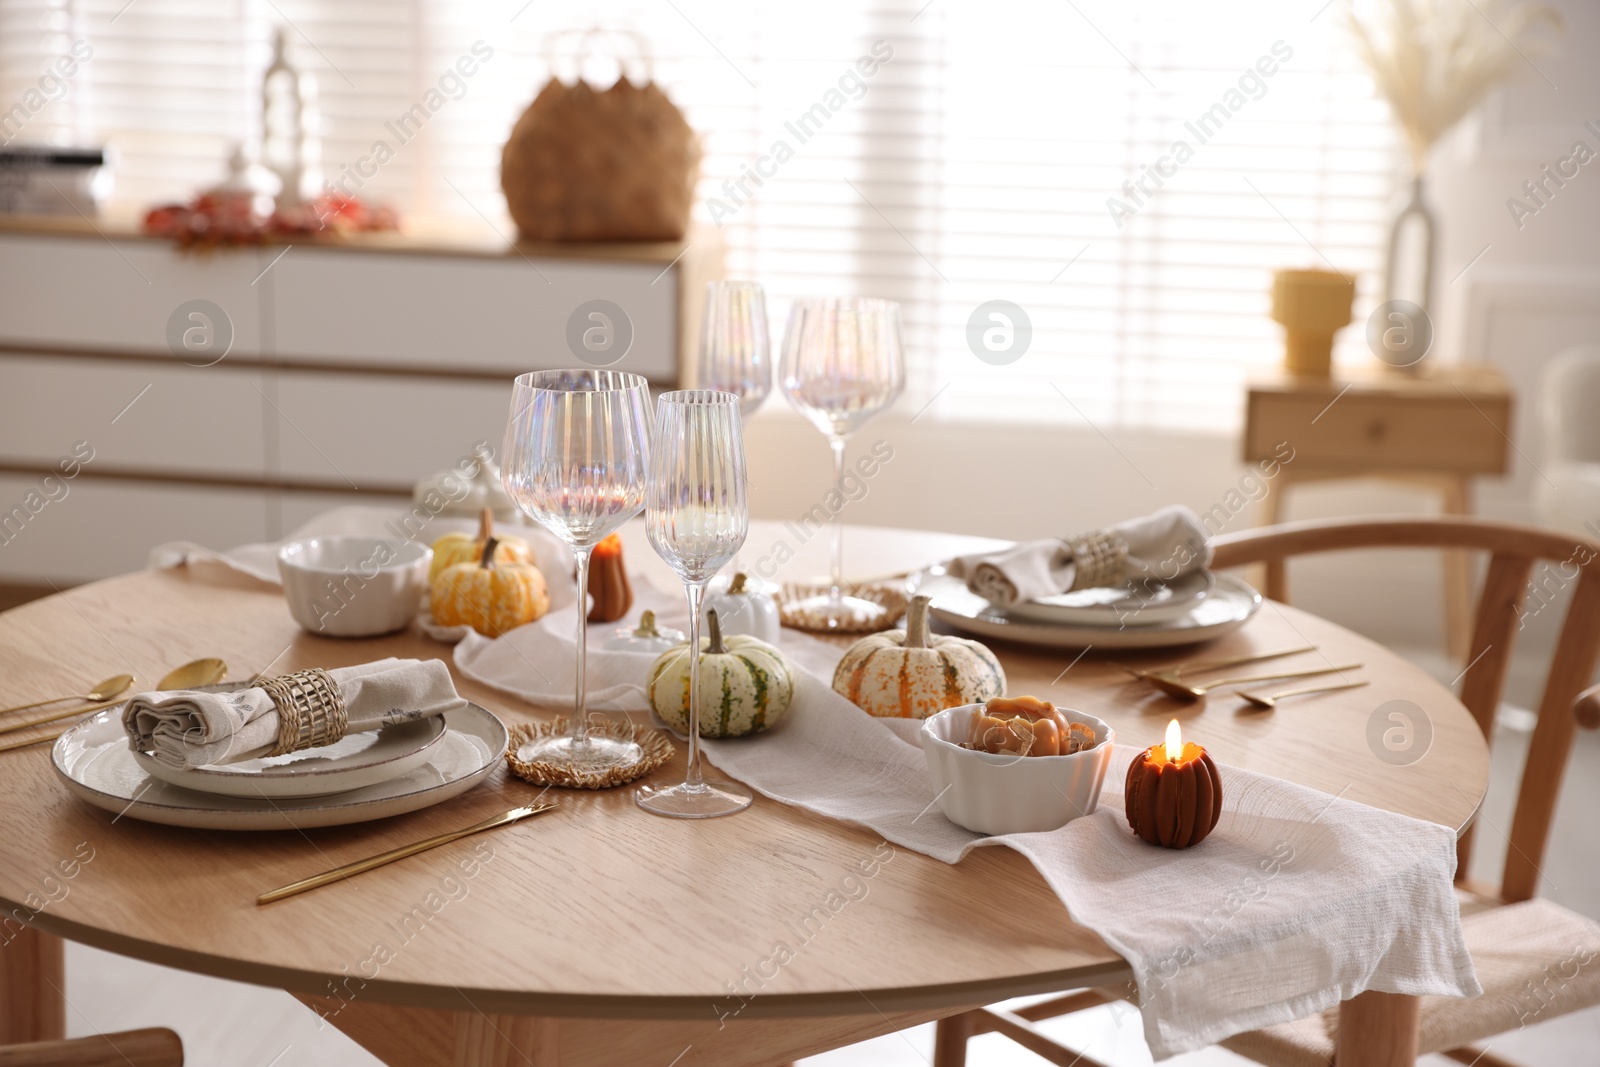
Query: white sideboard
(353, 369)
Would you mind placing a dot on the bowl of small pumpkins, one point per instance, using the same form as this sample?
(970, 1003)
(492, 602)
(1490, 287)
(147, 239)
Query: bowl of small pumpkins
(486, 582)
(746, 685)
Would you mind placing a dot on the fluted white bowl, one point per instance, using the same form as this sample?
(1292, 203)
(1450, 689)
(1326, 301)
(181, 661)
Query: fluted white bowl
(1004, 794)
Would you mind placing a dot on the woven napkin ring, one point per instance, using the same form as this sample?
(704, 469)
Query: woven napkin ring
(1099, 559)
(311, 710)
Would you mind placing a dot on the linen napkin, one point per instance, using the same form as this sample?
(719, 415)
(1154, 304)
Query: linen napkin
(1163, 545)
(185, 728)
(1295, 902)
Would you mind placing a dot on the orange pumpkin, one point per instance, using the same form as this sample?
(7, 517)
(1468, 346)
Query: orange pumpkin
(608, 582)
(488, 596)
(455, 548)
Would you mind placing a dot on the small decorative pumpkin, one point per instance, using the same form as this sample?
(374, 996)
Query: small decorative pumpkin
(745, 685)
(488, 596)
(915, 674)
(648, 637)
(743, 609)
(608, 582)
(1173, 794)
(455, 548)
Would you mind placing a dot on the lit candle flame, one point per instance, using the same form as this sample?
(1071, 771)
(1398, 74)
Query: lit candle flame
(1174, 741)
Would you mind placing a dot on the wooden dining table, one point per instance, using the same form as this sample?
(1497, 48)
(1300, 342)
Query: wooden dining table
(600, 934)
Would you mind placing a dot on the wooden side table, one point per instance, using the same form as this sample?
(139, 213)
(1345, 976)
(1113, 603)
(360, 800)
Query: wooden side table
(1437, 428)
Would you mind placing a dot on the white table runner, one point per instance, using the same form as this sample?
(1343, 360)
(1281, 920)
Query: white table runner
(1296, 901)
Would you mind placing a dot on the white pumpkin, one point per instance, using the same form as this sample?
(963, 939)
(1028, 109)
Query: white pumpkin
(743, 607)
(647, 637)
(915, 674)
(745, 685)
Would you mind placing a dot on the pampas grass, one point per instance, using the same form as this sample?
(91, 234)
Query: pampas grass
(1435, 59)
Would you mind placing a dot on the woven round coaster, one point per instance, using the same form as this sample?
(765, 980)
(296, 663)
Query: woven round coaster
(657, 750)
(888, 597)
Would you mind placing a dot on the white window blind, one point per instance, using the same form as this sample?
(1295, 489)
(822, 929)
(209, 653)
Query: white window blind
(975, 162)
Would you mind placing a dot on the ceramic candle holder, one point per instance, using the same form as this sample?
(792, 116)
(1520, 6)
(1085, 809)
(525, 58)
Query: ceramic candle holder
(1312, 305)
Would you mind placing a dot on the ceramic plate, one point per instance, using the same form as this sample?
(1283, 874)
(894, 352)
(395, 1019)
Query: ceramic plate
(1229, 604)
(1120, 606)
(353, 762)
(94, 763)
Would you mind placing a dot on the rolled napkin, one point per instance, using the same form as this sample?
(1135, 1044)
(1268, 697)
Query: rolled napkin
(1162, 546)
(185, 728)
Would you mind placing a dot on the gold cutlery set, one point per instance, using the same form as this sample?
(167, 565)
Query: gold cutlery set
(1169, 680)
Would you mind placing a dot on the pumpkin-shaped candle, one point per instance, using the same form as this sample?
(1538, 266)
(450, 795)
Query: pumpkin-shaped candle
(1173, 792)
(608, 582)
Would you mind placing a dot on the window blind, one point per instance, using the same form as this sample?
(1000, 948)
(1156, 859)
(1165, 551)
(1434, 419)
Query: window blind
(1128, 175)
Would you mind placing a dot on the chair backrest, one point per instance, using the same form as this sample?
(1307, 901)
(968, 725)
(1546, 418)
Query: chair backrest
(1513, 552)
(1569, 393)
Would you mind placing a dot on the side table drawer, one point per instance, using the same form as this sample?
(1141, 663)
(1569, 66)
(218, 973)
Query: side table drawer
(1417, 433)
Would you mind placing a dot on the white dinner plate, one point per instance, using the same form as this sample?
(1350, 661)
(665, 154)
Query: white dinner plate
(1227, 607)
(94, 763)
(1133, 603)
(355, 761)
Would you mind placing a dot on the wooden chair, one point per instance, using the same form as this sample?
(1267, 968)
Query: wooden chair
(1535, 960)
(31, 1025)
(155, 1047)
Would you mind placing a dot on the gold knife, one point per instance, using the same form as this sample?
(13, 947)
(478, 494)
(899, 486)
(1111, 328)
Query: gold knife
(505, 818)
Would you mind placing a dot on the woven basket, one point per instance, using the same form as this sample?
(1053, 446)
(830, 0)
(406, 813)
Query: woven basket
(587, 164)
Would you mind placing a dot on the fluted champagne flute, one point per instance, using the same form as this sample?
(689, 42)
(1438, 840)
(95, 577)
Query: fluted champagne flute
(697, 516)
(842, 365)
(576, 461)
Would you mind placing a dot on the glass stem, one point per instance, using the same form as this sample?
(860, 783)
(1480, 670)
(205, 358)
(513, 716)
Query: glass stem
(580, 693)
(836, 577)
(693, 780)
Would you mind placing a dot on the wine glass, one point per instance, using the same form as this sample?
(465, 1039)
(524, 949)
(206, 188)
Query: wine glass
(576, 460)
(735, 344)
(697, 516)
(842, 365)
(736, 355)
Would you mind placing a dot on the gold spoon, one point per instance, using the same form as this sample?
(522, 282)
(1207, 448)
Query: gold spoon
(1262, 700)
(194, 673)
(116, 684)
(1173, 687)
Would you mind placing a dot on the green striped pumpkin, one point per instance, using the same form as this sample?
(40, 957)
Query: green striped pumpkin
(914, 674)
(745, 685)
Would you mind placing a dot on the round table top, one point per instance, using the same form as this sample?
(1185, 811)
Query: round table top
(600, 908)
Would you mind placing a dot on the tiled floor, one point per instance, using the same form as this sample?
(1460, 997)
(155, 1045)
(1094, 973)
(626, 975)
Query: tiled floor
(242, 1026)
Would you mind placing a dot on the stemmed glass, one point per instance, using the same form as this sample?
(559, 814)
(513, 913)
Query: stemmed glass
(842, 364)
(736, 352)
(697, 517)
(576, 460)
(735, 344)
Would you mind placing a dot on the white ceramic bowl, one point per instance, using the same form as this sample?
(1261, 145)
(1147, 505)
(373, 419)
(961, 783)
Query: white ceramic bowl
(353, 586)
(997, 794)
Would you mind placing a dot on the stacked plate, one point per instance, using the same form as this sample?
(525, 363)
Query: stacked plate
(370, 775)
(1154, 614)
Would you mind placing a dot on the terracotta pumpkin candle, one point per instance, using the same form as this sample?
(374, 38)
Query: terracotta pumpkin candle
(608, 582)
(1173, 792)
